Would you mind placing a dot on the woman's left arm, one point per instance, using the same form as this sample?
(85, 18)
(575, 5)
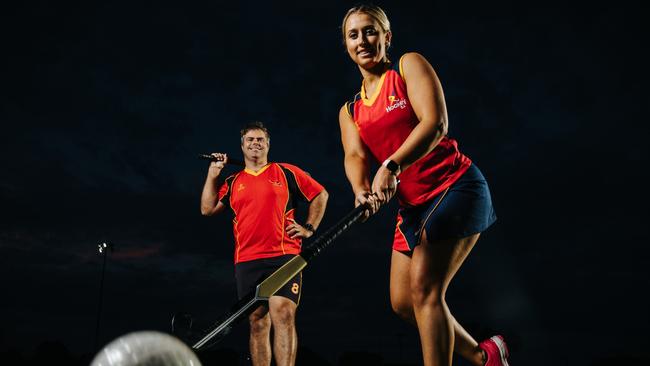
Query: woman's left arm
(428, 102)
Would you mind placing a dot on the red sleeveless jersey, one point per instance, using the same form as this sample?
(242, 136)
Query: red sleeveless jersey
(263, 203)
(385, 120)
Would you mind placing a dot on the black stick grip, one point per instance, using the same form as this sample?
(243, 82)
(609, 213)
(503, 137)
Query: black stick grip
(231, 161)
(326, 238)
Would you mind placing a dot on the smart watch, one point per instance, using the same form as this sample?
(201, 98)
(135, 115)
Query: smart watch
(392, 166)
(309, 227)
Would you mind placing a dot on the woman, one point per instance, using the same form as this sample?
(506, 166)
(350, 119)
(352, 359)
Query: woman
(399, 118)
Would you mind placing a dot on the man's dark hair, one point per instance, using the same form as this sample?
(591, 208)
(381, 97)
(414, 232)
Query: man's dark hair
(255, 126)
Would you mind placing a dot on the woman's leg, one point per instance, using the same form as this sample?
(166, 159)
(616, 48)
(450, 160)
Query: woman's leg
(433, 265)
(400, 296)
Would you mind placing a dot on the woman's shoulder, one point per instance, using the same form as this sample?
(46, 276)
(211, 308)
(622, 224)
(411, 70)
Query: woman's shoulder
(412, 59)
(408, 60)
(414, 64)
(348, 107)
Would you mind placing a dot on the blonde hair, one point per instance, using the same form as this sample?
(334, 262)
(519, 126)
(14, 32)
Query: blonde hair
(374, 11)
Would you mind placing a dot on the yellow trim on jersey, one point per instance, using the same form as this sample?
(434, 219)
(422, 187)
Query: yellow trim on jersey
(375, 94)
(237, 246)
(284, 214)
(230, 189)
(347, 109)
(284, 229)
(401, 70)
(227, 189)
(283, 232)
(253, 173)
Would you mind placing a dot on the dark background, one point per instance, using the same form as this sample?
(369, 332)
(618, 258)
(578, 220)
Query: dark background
(106, 104)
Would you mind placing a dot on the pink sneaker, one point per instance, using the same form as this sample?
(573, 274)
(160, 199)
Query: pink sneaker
(496, 351)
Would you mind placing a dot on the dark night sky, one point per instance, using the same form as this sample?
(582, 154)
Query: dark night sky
(105, 105)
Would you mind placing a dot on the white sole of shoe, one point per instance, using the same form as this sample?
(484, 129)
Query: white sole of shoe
(503, 349)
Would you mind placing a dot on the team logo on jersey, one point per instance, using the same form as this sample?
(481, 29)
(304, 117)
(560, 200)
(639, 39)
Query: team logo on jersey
(395, 102)
(241, 187)
(276, 183)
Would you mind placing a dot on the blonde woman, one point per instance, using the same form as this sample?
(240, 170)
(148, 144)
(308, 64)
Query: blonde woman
(399, 118)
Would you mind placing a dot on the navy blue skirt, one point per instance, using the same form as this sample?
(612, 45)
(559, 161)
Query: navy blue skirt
(461, 210)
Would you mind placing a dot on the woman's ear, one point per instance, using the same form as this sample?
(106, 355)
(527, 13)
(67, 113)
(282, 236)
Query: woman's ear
(389, 38)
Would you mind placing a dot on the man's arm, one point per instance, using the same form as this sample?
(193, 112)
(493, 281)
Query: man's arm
(317, 209)
(210, 204)
(314, 216)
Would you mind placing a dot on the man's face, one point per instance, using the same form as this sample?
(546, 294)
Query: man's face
(255, 145)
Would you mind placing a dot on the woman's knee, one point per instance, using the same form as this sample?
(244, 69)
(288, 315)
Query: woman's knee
(427, 293)
(402, 304)
(404, 311)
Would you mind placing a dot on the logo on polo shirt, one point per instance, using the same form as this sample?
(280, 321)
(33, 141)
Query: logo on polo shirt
(241, 187)
(276, 183)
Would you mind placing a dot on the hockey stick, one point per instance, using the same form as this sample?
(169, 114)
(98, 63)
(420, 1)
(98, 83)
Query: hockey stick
(232, 161)
(279, 278)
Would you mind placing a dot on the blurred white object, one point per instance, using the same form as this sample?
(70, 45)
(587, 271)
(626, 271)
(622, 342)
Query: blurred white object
(146, 348)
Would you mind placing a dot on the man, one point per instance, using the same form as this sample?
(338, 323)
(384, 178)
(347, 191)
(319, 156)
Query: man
(263, 198)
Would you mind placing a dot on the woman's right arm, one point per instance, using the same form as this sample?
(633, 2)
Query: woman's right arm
(356, 161)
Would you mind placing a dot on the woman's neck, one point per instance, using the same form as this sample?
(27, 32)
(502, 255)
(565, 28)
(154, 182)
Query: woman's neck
(371, 76)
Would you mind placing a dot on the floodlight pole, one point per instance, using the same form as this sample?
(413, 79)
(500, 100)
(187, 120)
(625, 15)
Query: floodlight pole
(103, 251)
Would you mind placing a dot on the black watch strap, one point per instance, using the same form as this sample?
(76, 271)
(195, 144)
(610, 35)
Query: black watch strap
(392, 166)
(309, 227)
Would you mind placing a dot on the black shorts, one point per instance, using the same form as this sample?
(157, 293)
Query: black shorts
(249, 274)
(463, 209)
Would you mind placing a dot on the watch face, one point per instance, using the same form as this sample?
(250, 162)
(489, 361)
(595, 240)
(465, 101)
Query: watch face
(392, 166)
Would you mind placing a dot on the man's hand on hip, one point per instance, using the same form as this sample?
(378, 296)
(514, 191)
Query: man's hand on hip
(295, 230)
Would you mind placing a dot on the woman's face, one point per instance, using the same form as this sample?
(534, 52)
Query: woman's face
(365, 40)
